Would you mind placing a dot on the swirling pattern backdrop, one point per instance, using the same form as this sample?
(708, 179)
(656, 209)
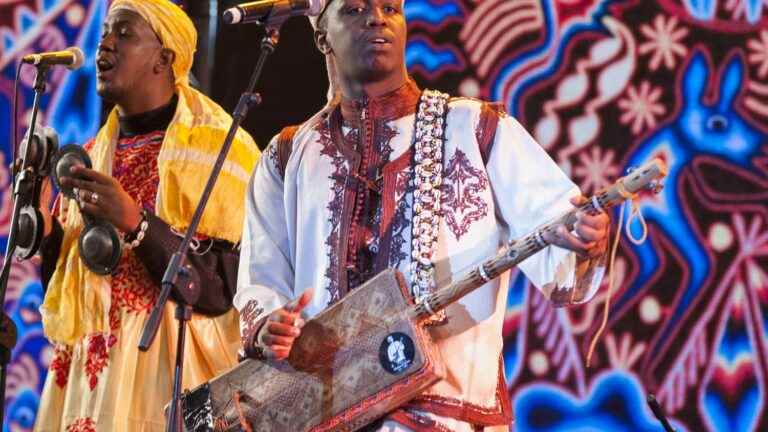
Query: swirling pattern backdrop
(603, 85)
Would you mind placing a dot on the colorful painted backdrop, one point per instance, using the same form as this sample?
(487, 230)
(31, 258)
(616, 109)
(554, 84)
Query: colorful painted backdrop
(603, 86)
(73, 109)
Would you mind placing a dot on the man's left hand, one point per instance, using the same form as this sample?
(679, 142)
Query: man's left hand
(589, 237)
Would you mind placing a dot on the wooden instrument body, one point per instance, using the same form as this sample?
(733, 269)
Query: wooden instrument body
(336, 378)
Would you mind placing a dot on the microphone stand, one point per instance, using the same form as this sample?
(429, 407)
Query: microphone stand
(175, 270)
(23, 185)
(658, 411)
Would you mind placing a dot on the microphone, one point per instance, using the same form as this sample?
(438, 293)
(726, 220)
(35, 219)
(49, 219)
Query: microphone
(266, 11)
(71, 57)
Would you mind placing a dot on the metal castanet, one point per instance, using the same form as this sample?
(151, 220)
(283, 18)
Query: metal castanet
(367, 354)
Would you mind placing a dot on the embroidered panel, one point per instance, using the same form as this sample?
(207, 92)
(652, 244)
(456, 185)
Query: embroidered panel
(335, 208)
(368, 245)
(249, 320)
(463, 202)
(97, 356)
(399, 249)
(83, 424)
(132, 289)
(279, 152)
(61, 364)
(271, 153)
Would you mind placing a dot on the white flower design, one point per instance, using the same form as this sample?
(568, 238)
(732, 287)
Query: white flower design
(596, 169)
(758, 54)
(641, 107)
(623, 354)
(664, 42)
(752, 236)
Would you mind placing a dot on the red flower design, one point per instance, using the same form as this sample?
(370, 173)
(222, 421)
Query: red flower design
(83, 424)
(98, 356)
(61, 363)
(132, 288)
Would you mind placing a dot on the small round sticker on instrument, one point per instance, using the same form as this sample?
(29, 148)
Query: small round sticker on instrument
(396, 353)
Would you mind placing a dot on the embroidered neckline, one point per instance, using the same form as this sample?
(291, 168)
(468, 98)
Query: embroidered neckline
(395, 104)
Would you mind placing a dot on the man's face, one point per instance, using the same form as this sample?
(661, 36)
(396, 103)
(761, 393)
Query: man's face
(127, 56)
(366, 37)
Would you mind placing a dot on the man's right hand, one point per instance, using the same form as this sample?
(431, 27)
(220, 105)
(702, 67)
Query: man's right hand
(283, 327)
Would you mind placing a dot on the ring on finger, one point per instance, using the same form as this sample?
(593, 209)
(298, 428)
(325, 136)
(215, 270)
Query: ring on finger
(94, 197)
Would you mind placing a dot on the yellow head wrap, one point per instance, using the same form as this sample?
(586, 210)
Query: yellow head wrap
(172, 26)
(77, 301)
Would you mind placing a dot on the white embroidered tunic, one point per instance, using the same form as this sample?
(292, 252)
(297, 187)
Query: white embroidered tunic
(330, 204)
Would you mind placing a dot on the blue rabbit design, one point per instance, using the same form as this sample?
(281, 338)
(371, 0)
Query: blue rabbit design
(715, 129)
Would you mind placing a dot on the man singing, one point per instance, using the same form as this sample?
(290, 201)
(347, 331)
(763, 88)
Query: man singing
(358, 189)
(151, 160)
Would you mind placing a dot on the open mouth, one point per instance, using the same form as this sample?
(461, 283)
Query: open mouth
(103, 66)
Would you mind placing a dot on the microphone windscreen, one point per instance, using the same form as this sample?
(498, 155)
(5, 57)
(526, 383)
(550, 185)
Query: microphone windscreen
(79, 58)
(232, 15)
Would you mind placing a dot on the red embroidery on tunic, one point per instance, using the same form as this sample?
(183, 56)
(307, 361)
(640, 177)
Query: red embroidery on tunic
(61, 363)
(485, 133)
(271, 153)
(335, 208)
(402, 183)
(132, 289)
(416, 421)
(400, 222)
(97, 356)
(136, 171)
(83, 424)
(463, 203)
(249, 318)
(368, 245)
(500, 413)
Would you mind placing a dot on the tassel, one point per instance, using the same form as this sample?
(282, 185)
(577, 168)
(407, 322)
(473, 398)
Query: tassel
(635, 214)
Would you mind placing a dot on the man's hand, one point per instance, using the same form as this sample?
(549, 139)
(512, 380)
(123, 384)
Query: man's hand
(590, 233)
(102, 196)
(283, 327)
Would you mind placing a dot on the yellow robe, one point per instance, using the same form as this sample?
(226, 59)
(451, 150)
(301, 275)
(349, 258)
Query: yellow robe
(98, 380)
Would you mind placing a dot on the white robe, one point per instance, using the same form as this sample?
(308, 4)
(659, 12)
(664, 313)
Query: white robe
(288, 237)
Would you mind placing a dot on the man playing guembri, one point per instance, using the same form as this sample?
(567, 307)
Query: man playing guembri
(353, 191)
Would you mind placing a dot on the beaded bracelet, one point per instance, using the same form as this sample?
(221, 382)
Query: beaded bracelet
(133, 239)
